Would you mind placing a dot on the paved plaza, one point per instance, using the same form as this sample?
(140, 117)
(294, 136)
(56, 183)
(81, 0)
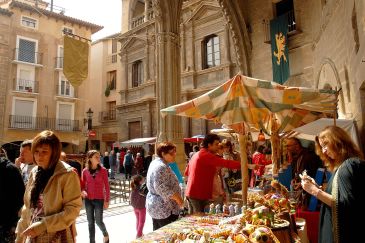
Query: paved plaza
(120, 222)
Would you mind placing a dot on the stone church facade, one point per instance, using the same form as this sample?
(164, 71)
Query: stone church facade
(172, 51)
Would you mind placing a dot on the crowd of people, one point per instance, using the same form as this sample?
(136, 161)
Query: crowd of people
(47, 194)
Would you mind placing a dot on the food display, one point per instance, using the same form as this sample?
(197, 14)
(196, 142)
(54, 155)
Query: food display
(258, 222)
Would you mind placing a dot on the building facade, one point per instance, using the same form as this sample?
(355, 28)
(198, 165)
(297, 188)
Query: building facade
(172, 51)
(175, 50)
(38, 95)
(105, 80)
(206, 58)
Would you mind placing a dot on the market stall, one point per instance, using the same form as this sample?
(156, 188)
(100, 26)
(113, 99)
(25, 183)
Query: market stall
(265, 220)
(243, 103)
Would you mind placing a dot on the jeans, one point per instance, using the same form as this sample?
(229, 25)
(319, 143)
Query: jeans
(140, 219)
(94, 213)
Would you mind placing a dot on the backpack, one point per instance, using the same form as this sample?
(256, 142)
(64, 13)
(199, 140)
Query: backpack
(143, 190)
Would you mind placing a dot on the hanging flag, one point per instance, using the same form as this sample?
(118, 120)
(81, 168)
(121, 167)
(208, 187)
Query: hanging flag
(75, 60)
(279, 48)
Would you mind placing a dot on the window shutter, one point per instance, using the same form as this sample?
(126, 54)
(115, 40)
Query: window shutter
(23, 108)
(65, 111)
(26, 51)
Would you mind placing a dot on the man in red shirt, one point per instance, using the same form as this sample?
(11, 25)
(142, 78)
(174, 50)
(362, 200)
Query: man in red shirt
(201, 170)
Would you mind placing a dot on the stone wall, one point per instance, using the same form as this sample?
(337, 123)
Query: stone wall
(4, 68)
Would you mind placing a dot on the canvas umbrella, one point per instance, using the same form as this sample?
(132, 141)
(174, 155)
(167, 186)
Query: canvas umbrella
(243, 102)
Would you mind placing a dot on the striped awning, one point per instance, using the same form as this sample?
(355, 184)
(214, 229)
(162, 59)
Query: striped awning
(252, 101)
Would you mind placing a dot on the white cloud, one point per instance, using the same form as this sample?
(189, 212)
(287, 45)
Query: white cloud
(106, 13)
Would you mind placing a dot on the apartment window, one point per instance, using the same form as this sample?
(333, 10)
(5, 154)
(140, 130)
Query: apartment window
(65, 116)
(286, 7)
(112, 78)
(114, 51)
(137, 73)
(29, 22)
(114, 45)
(25, 81)
(211, 52)
(112, 109)
(65, 88)
(68, 30)
(27, 50)
(59, 58)
(23, 113)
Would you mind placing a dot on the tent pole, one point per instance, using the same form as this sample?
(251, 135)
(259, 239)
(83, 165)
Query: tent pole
(274, 145)
(242, 139)
(335, 111)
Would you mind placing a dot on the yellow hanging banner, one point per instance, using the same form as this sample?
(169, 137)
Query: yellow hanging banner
(75, 60)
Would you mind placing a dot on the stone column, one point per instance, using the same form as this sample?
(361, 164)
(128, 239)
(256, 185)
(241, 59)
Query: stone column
(168, 72)
(183, 48)
(146, 69)
(146, 9)
(228, 50)
(195, 85)
(124, 79)
(169, 82)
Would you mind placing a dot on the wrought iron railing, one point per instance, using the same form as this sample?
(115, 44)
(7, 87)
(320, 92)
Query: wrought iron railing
(66, 90)
(107, 115)
(25, 55)
(42, 123)
(29, 86)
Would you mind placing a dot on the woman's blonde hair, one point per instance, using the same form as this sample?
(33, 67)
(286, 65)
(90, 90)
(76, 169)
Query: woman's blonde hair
(341, 144)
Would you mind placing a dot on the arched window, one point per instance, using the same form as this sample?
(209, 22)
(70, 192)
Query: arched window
(211, 52)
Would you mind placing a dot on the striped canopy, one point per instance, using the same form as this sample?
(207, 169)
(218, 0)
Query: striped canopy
(252, 102)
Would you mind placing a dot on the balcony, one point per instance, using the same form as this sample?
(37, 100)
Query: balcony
(59, 63)
(137, 21)
(105, 116)
(27, 56)
(43, 123)
(27, 86)
(292, 26)
(66, 90)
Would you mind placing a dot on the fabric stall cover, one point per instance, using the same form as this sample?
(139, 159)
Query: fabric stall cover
(138, 142)
(310, 130)
(252, 101)
(194, 139)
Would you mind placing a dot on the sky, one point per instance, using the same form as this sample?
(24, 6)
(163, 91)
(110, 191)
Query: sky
(106, 13)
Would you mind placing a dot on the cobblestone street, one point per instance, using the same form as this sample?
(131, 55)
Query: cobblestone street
(120, 222)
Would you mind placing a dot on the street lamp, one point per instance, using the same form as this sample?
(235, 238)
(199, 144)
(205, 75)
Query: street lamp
(89, 115)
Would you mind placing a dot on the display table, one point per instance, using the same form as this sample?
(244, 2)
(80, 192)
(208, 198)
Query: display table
(312, 222)
(185, 223)
(191, 222)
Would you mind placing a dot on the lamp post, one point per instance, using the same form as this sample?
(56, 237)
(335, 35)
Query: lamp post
(89, 115)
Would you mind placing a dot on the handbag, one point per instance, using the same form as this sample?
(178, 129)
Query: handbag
(143, 190)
